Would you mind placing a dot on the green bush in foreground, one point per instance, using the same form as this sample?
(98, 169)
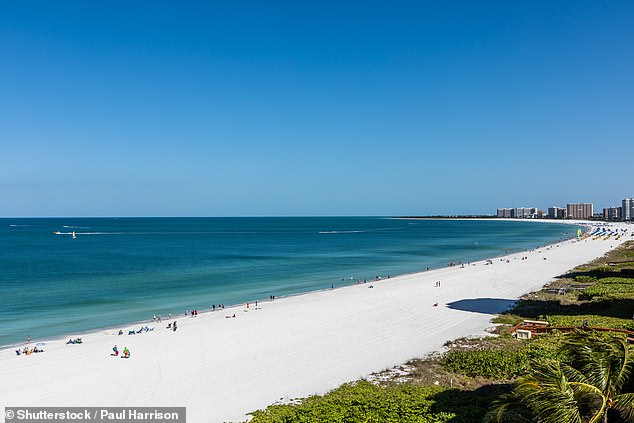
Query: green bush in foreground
(368, 403)
(503, 363)
(492, 364)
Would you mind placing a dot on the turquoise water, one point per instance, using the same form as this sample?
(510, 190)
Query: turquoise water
(123, 270)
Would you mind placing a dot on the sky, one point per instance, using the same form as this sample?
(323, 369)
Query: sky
(251, 108)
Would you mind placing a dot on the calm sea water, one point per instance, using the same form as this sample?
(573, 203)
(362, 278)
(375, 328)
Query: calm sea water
(122, 270)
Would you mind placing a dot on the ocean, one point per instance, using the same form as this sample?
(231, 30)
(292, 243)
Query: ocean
(121, 270)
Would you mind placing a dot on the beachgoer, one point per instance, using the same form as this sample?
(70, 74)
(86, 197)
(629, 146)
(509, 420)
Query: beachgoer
(169, 316)
(28, 339)
(154, 318)
(115, 351)
(174, 326)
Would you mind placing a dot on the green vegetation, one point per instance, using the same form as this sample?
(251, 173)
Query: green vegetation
(493, 364)
(503, 362)
(368, 403)
(589, 389)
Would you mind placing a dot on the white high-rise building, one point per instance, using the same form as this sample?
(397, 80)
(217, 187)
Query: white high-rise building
(627, 209)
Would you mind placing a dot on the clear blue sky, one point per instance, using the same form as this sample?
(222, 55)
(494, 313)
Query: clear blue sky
(327, 108)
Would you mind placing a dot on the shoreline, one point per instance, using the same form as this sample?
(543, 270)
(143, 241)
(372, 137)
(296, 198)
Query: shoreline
(295, 346)
(85, 332)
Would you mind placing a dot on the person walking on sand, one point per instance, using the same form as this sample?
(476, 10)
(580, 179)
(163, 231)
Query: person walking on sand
(28, 339)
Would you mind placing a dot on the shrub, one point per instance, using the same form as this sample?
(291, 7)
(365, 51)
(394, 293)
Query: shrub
(492, 364)
(361, 402)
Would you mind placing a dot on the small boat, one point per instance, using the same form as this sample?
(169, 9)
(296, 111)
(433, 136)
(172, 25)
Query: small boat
(74, 236)
(57, 233)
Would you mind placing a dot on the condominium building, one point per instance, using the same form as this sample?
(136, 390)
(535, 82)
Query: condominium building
(557, 213)
(504, 212)
(627, 209)
(579, 210)
(612, 213)
(518, 212)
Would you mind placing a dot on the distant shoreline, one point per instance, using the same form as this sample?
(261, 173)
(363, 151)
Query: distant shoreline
(458, 216)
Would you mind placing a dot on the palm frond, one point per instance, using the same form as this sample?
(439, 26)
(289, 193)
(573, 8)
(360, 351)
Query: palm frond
(624, 404)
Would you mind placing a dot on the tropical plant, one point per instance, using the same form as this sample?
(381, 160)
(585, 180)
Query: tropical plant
(589, 390)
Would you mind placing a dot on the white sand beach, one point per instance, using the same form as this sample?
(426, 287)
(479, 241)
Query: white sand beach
(220, 368)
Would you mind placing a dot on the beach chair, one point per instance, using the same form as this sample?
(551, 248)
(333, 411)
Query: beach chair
(150, 329)
(131, 332)
(140, 330)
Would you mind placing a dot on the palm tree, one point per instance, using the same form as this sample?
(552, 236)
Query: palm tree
(588, 390)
